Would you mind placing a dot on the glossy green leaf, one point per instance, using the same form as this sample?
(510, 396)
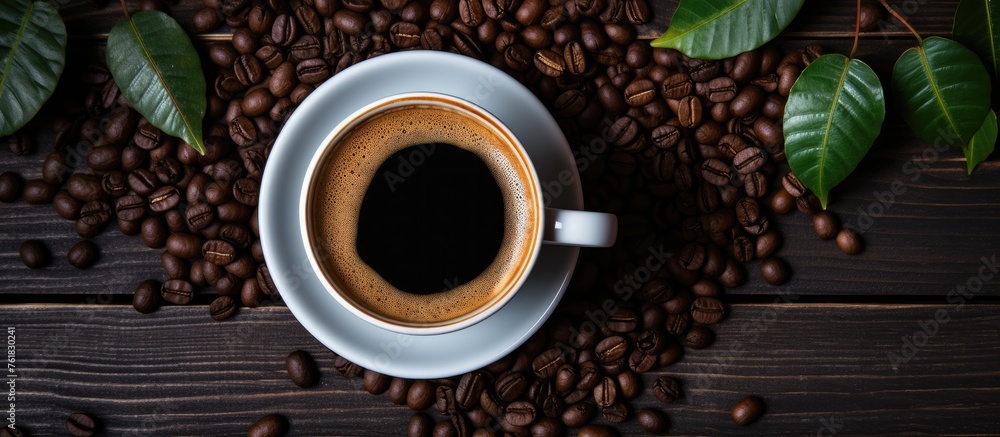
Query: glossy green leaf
(943, 91)
(32, 57)
(716, 29)
(157, 68)
(976, 25)
(982, 143)
(833, 114)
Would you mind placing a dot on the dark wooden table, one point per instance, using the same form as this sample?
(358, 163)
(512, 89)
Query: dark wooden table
(819, 350)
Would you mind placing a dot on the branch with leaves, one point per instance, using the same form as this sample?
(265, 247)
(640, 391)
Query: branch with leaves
(150, 56)
(836, 108)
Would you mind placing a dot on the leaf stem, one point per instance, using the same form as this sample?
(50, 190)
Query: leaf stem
(125, 10)
(903, 20)
(857, 31)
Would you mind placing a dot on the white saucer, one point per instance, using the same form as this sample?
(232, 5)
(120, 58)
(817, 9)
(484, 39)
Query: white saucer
(410, 356)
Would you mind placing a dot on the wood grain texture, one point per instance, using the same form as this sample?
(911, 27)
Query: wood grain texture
(176, 372)
(824, 19)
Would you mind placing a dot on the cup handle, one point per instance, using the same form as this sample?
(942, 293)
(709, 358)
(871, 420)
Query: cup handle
(568, 227)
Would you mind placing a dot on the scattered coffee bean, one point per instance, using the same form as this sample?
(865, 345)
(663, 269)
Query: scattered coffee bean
(271, 425)
(652, 421)
(774, 271)
(849, 241)
(80, 425)
(667, 389)
(302, 369)
(147, 296)
(11, 185)
(747, 410)
(34, 254)
(83, 254)
(825, 224)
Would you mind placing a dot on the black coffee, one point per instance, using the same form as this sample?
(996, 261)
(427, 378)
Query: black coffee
(432, 218)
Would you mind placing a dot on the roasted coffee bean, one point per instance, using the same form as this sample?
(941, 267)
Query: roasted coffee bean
(271, 425)
(66, 206)
(707, 310)
(114, 183)
(311, 71)
(206, 20)
(444, 397)
(243, 131)
(302, 369)
(95, 213)
(530, 11)
(164, 198)
(747, 212)
(611, 348)
(755, 184)
(153, 231)
(470, 389)
(218, 252)
(774, 271)
(548, 62)
(782, 202)
(701, 70)
(667, 389)
(81, 425)
(130, 208)
(520, 413)
(622, 320)
(565, 378)
(223, 307)
(652, 421)
(640, 92)
(11, 185)
(743, 249)
(849, 241)
(716, 172)
(34, 254)
(38, 192)
(578, 414)
(792, 185)
(246, 191)
(177, 291)
(677, 86)
(511, 385)
(689, 111)
(637, 11)
(825, 225)
(83, 254)
(808, 204)
(623, 131)
(398, 389)
(471, 12)
(199, 216)
(146, 297)
(606, 392)
(174, 267)
(265, 282)
(54, 168)
(720, 89)
(20, 143)
(236, 234)
(182, 245)
(351, 370)
(698, 337)
(575, 57)
(547, 363)
(747, 410)
(419, 425)
(749, 160)
(747, 101)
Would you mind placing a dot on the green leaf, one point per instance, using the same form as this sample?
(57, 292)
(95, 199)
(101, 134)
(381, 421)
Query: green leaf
(833, 114)
(32, 57)
(157, 68)
(976, 25)
(943, 90)
(716, 29)
(982, 143)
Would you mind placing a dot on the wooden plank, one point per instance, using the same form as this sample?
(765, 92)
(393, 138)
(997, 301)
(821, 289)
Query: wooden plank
(176, 372)
(823, 19)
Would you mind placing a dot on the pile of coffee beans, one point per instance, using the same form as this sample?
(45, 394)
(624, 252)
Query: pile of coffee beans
(688, 153)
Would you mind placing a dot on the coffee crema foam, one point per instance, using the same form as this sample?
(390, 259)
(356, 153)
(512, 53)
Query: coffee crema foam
(341, 181)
